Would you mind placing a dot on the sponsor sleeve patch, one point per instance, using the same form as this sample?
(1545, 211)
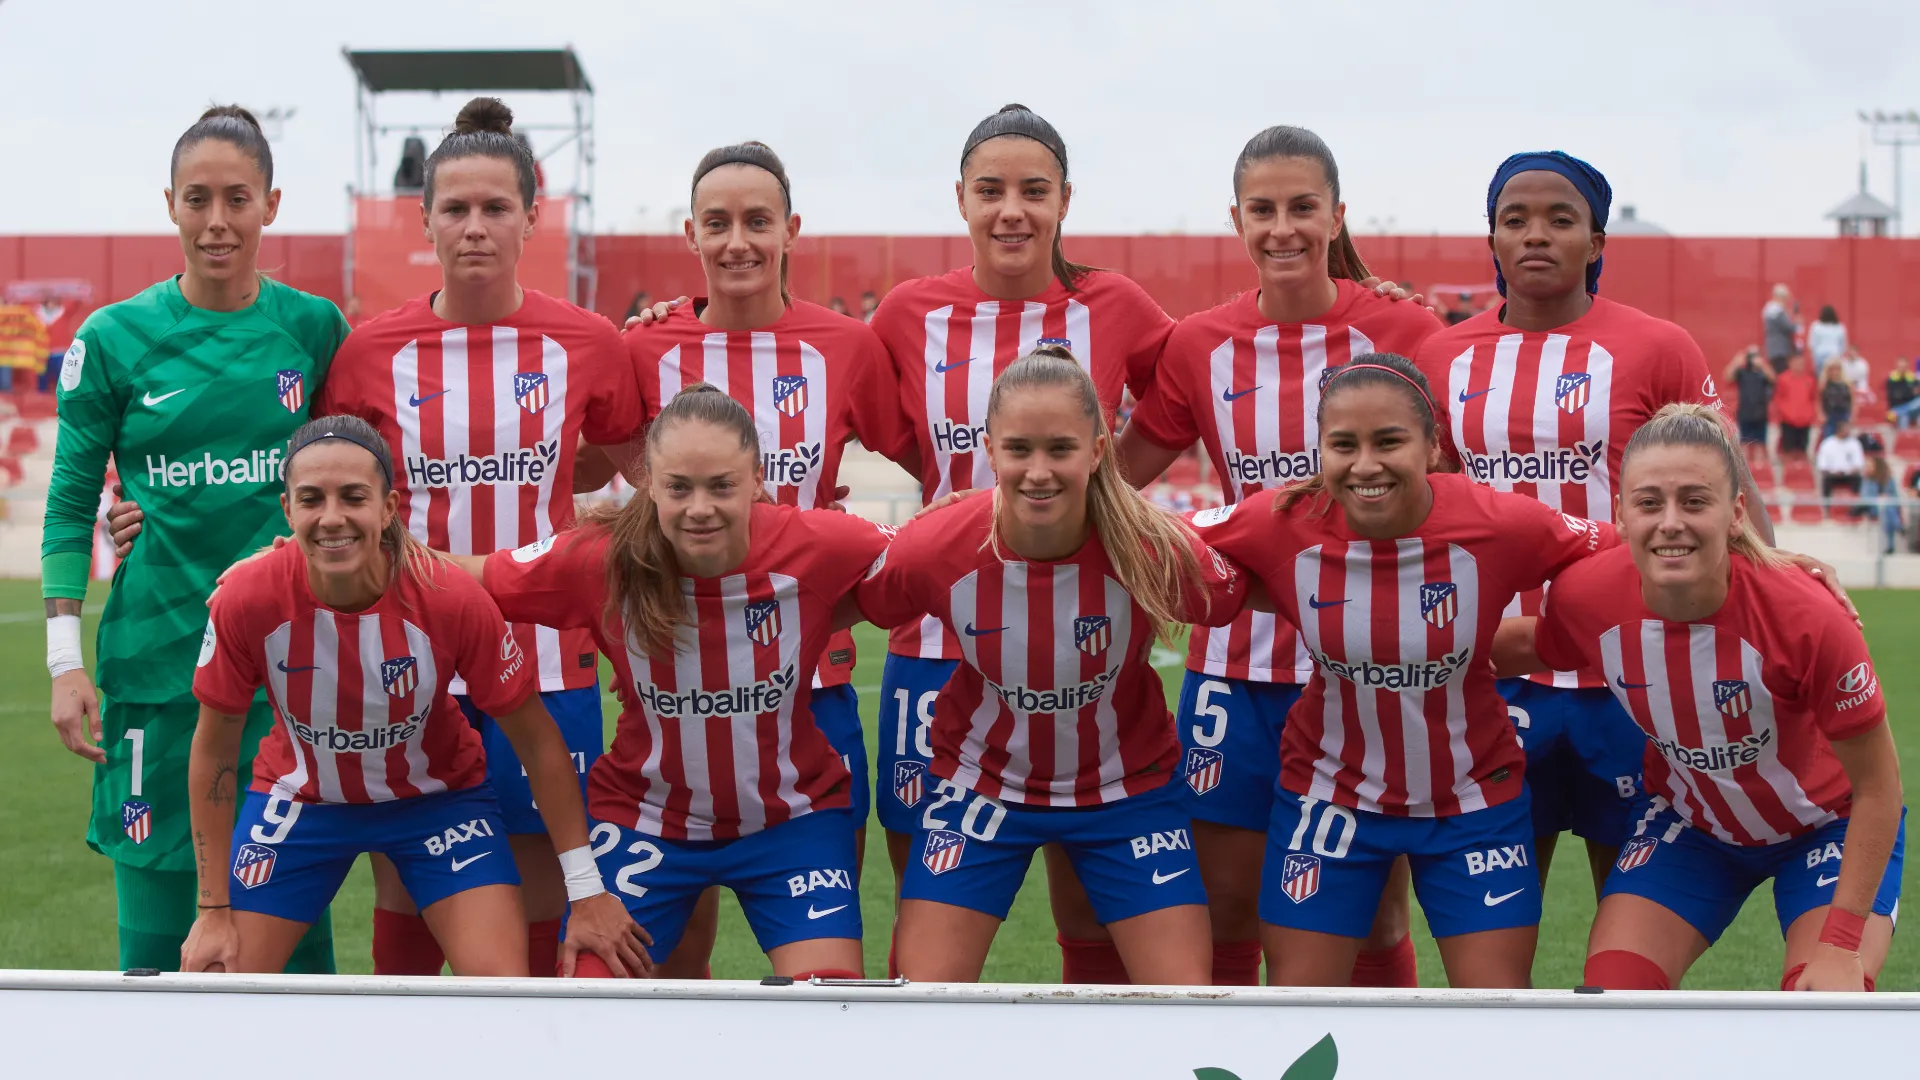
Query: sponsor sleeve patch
(534, 550)
(207, 643)
(71, 363)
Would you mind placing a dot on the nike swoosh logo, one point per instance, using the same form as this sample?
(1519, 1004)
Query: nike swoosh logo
(150, 401)
(1313, 599)
(461, 864)
(1494, 901)
(1621, 682)
(943, 367)
(1466, 397)
(282, 665)
(416, 400)
(814, 913)
(971, 632)
(1823, 881)
(1158, 879)
(1235, 395)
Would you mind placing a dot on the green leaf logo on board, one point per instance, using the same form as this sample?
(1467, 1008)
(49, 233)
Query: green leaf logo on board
(1320, 1062)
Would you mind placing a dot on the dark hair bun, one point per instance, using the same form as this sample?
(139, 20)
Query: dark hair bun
(484, 114)
(1015, 108)
(233, 111)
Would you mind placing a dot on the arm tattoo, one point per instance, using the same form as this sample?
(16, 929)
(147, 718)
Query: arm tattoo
(200, 860)
(225, 776)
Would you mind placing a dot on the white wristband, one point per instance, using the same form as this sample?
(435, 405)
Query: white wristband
(583, 877)
(63, 645)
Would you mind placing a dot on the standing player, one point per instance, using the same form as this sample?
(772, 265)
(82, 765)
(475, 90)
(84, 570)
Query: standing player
(1244, 379)
(713, 605)
(193, 386)
(355, 632)
(483, 390)
(1542, 392)
(1054, 729)
(1768, 753)
(949, 336)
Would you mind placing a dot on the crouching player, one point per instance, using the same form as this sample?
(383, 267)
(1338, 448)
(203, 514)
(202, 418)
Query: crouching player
(1770, 755)
(356, 631)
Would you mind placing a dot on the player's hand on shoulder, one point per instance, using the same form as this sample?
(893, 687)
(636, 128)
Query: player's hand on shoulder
(1826, 575)
(650, 315)
(945, 501)
(213, 944)
(278, 543)
(599, 924)
(123, 521)
(76, 715)
(1392, 291)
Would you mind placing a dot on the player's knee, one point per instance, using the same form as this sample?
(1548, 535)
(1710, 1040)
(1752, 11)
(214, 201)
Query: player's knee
(1618, 969)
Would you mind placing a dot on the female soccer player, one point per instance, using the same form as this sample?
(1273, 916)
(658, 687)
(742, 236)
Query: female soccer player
(193, 385)
(714, 605)
(1542, 392)
(1244, 379)
(1054, 728)
(484, 389)
(356, 632)
(1768, 749)
(1400, 744)
(949, 336)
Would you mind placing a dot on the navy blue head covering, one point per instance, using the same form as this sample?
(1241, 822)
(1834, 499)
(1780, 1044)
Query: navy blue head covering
(1586, 179)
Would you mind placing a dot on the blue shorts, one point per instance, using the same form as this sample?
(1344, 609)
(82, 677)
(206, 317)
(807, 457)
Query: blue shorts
(1132, 856)
(1230, 747)
(289, 858)
(1705, 880)
(578, 714)
(1584, 756)
(1327, 865)
(909, 685)
(836, 711)
(794, 880)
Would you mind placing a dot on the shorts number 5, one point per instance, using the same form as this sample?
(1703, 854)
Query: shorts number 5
(1216, 713)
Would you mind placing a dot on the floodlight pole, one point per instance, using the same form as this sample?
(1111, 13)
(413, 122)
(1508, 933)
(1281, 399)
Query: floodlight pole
(1898, 130)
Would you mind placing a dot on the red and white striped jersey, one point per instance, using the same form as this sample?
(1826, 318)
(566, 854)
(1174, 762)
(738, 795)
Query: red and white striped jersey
(362, 698)
(1549, 413)
(717, 740)
(1739, 708)
(812, 380)
(1401, 716)
(1249, 390)
(484, 423)
(948, 341)
(1054, 702)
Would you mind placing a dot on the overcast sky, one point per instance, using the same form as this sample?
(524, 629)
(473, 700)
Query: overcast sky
(1711, 117)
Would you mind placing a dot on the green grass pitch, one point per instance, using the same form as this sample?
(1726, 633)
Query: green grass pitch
(56, 897)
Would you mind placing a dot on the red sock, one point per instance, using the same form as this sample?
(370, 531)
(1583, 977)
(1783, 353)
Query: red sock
(1792, 976)
(588, 966)
(402, 945)
(1090, 962)
(1618, 969)
(1236, 963)
(1394, 966)
(1869, 984)
(543, 948)
(826, 973)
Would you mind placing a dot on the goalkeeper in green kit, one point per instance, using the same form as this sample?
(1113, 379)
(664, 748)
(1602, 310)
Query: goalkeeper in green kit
(193, 386)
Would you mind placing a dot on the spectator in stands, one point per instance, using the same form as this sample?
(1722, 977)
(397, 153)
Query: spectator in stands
(1903, 394)
(1836, 398)
(1911, 490)
(1752, 380)
(1462, 310)
(1841, 461)
(869, 304)
(642, 300)
(1780, 322)
(1881, 500)
(838, 305)
(1796, 405)
(1854, 368)
(1827, 337)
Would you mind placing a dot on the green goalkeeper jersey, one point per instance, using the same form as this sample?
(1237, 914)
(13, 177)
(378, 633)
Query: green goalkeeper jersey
(195, 407)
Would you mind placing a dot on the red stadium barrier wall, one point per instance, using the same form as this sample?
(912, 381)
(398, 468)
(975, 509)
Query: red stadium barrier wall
(1712, 286)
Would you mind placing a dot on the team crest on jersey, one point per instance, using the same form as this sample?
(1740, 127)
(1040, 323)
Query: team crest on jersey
(1439, 603)
(399, 675)
(1636, 853)
(909, 782)
(253, 865)
(1092, 634)
(763, 622)
(944, 848)
(530, 390)
(790, 394)
(1203, 769)
(1732, 698)
(136, 818)
(293, 389)
(1300, 877)
(1570, 391)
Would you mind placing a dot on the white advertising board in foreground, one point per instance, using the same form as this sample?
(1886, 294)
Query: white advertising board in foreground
(85, 1024)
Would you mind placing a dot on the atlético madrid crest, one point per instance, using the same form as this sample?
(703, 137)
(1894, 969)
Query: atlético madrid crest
(292, 389)
(1570, 391)
(1300, 877)
(253, 865)
(1637, 852)
(530, 390)
(944, 848)
(763, 622)
(1092, 634)
(1439, 603)
(1203, 768)
(136, 818)
(1732, 698)
(790, 394)
(399, 675)
(909, 782)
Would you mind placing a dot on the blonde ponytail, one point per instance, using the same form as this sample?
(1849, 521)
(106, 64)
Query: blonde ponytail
(1702, 426)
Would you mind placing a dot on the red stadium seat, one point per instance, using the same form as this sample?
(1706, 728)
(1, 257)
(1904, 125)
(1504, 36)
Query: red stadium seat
(1796, 474)
(36, 406)
(10, 471)
(1808, 513)
(1907, 443)
(23, 440)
